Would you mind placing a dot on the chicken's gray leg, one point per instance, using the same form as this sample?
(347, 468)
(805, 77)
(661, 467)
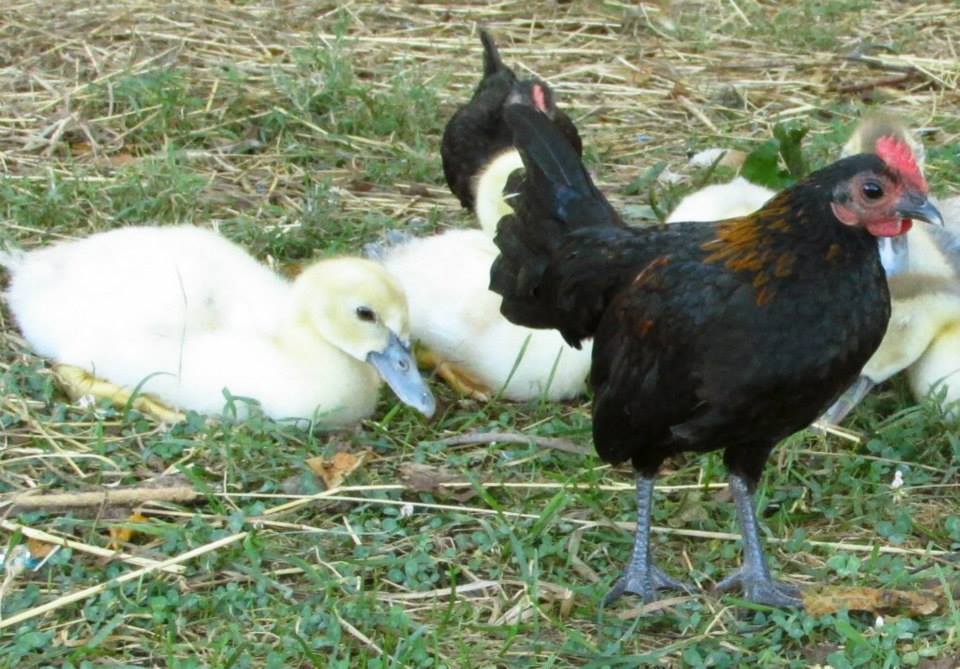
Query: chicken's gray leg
(754, 575)
(642, 576)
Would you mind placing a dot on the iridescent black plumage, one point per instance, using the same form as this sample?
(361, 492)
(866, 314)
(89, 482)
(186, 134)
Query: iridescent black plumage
(476, 132)
(729, 335)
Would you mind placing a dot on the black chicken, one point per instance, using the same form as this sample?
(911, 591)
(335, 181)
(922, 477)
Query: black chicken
(476, 132)
(732, 334)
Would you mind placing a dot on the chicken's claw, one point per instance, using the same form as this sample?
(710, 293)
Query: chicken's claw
(761, 589)
(754, 577)
(638, 584)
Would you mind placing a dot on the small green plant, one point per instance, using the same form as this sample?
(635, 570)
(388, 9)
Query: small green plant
(779, 161)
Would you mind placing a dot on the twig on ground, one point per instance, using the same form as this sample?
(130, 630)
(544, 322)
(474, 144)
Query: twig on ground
(121, 497)
(48, 538)
(514, 438)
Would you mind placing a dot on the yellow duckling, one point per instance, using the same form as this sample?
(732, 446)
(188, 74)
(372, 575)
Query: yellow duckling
(190, 317)
(737, 197)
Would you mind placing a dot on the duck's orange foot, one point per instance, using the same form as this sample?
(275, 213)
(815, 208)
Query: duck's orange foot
(80, 383)
(460, 379)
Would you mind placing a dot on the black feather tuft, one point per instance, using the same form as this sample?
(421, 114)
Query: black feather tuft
(541, 273)
(491, 56)
(545, 150)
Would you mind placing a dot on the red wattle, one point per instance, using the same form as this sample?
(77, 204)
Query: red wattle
(890, 228)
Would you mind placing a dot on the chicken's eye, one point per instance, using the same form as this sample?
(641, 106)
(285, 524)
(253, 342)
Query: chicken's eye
(872, 190)
(366, 314)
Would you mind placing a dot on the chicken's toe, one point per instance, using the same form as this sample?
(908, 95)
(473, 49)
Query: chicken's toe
(761, 589)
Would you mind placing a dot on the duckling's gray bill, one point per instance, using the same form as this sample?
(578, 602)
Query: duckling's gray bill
(398, 368)
(847, 402)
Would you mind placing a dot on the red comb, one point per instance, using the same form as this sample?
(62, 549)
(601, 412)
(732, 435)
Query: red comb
(539, 98)
(898, 155)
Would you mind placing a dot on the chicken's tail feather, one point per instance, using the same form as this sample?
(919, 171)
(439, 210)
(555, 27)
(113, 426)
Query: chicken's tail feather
(554, 199)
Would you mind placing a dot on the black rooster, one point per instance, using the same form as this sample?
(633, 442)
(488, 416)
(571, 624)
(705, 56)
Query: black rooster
(732, 334)
(476, 132)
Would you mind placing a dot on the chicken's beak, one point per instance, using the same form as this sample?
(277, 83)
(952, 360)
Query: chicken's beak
(917, 206)
(848, 401)
(398, 368)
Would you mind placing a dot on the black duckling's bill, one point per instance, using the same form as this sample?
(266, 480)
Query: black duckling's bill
(948, 241)
(848, 401)
(398, 368)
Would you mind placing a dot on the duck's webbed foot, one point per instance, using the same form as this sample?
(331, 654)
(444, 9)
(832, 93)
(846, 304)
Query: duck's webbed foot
(462, 380)
(80, 383)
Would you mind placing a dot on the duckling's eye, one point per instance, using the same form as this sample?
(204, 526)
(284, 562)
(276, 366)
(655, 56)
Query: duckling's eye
(366, 314)
(872, 190)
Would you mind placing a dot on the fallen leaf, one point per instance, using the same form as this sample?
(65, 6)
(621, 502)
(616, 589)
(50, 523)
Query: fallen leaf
(816, 656)
(425, 478)
(291, 269)
(335, 470)
(80, 148)
(830, 600)
(124, 534)
(940, 663)
(418, 190)
(39, 549)
(360, 185)
(120, 159)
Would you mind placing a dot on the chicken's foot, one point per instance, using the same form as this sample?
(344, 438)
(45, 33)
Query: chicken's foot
(753, 577)
(642, 576)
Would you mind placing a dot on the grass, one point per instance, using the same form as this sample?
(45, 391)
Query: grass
(302, 130)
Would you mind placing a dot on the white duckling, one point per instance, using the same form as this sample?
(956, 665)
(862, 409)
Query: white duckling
(939, 365)
(939, 368)
(454, 314)
(185, 314)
